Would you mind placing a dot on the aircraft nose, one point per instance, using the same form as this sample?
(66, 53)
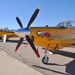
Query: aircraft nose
(22, 32)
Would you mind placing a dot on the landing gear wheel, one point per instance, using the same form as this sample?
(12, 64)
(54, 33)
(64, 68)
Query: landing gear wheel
(45, 59)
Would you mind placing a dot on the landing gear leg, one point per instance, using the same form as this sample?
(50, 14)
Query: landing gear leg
(45, 59)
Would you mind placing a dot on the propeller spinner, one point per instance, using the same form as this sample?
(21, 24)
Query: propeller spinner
(25, 32)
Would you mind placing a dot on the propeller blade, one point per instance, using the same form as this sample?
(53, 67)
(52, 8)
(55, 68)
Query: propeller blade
(19, 22)
(32, 45)
(32, 38)
(33, 17)
(19, 43)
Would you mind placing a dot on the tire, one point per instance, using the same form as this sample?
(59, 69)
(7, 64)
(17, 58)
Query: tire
(45, 59)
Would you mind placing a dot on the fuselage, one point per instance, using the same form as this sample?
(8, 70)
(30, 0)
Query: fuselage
(63, 34)
(55, 32)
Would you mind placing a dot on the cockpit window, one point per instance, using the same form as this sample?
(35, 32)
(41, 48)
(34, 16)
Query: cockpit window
(66, 24)
(72, 24)
(61, 25)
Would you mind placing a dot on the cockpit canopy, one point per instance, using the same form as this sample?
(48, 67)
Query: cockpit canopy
(66, 24)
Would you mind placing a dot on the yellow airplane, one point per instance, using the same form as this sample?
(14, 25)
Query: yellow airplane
(49, 38)
(8, 35)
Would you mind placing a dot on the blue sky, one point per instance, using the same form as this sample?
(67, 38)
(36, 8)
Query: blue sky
(51, 12)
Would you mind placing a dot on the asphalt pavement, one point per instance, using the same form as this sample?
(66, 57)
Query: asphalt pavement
(60, 63)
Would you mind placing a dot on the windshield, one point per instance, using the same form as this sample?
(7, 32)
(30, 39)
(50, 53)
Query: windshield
(67, 24)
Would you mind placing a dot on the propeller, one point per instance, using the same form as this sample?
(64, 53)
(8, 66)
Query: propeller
(19, 43)
(32, 45)
(33, 17)
(27, 28)
(19, 22)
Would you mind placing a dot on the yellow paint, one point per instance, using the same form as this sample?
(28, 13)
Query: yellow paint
(8, 34)
(62, 37)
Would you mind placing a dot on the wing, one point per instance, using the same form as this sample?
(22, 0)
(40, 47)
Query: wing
(9, 35)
